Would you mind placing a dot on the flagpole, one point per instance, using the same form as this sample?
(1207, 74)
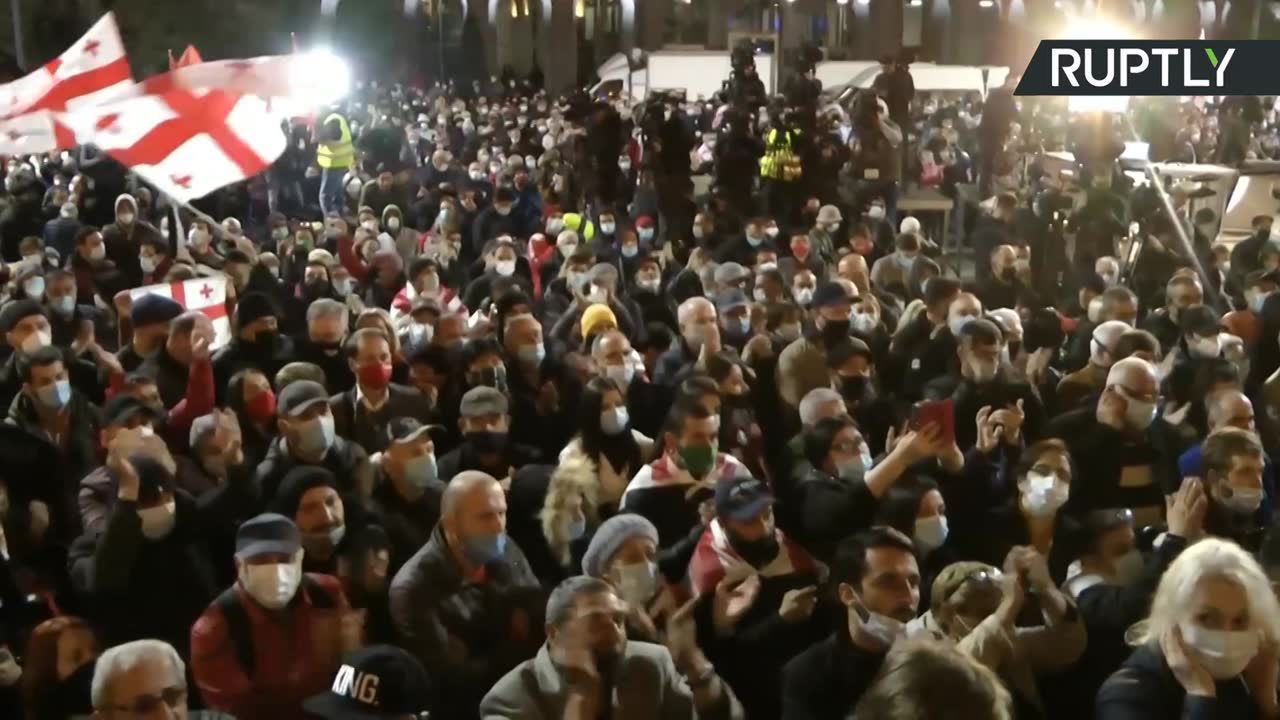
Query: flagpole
(18, 55)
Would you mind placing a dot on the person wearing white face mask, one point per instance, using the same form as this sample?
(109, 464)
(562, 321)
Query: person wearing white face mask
(877, 581)
(1233, 461)
(624, 553)
(408, 488)
(1089, 380)
(1207, 648)
(914, 506)
(555, 526)
(976, 605)
(268, 619)
(124, 237)
(843, 483)
(984, 382)
(1113, 584)
(607, 444)
(307, 438)
(150, 557)
(329, 523)
(1120, 444)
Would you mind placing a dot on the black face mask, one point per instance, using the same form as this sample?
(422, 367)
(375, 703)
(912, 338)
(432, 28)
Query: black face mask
(1008, 274)
(834, 331)
(316, 289)
(756, 553)
(487, 442)
(265, 339)
(855, 388)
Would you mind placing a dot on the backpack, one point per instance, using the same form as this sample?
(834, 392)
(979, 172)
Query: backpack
(238, 625)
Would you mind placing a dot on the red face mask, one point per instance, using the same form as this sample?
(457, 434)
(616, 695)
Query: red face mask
(262, 407)
(375, 376)
(800, 250)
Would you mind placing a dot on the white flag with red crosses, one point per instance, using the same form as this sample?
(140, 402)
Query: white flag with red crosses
(94, 69)
(187, 143)
(208, 295)
(91, 71)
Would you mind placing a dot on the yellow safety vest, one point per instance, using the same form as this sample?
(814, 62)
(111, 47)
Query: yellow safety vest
(340, 154)
(780, 161)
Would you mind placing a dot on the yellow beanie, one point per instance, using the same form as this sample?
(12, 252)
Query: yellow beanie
(596, 317)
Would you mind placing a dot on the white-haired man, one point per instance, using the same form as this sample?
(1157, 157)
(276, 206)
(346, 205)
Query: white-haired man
(143, 678)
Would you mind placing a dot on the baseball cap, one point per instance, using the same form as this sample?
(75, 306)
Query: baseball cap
(730, 272)
(846, 349)
(300, 395)
(267, 533)
(829, 293)
(1201, 320)
(121, 408)
(483, 400)
(742, 498)
(730, 299)
(407, 429)
(380, 681)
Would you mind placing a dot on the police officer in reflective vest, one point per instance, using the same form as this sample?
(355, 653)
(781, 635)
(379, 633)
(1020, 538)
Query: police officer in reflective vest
(780, 169)
(335, 156)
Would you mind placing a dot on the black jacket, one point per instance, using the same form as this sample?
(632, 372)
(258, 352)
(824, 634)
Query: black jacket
(1108, 612)
(408, 522)
(1144, 688)
(827, 680)
(238, 355)
(1099, 455)
(464, 457)
(170, 375)
(138, 588)
(368, 428)
(970, 397)
(829, 510)
(346, 460)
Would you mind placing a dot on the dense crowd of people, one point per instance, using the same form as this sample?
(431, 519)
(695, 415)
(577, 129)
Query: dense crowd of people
(506, 420)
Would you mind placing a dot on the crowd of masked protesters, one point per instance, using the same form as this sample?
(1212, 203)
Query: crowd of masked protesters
(566, 408)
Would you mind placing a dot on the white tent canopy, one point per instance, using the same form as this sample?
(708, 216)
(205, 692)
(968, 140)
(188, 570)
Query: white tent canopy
(927, 77)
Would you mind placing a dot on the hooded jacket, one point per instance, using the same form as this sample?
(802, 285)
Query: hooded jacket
(124, 243)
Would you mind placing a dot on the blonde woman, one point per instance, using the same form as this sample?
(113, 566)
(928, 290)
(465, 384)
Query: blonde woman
(1208, 649)
(552, 515)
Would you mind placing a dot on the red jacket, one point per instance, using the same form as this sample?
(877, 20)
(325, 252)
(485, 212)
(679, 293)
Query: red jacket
(297, 652)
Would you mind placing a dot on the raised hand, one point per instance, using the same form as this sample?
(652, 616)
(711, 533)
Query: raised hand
(733, 600)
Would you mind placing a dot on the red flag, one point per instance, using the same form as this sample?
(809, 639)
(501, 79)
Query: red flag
(187, 143)
(190, 56)
(93, 69)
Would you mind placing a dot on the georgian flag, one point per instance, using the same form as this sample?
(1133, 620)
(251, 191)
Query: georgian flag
(208, 295)
(91, 71)
(94, 69)
(187, 143)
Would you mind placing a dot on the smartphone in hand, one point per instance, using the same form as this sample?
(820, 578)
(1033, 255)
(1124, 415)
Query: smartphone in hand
(938, 412)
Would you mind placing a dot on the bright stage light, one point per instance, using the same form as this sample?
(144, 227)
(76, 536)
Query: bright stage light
(319, 77)
(1080, 27)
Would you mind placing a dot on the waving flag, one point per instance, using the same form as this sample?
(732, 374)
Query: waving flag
(186, 143)
(208, 295)
(94, 69)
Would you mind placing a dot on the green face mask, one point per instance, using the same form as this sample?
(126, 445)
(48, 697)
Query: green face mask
(698, 459)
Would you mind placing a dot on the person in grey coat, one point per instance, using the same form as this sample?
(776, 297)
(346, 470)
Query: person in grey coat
(588, 668)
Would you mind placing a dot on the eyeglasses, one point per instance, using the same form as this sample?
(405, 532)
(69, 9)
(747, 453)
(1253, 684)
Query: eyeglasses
(989, 575)
(146, 705)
